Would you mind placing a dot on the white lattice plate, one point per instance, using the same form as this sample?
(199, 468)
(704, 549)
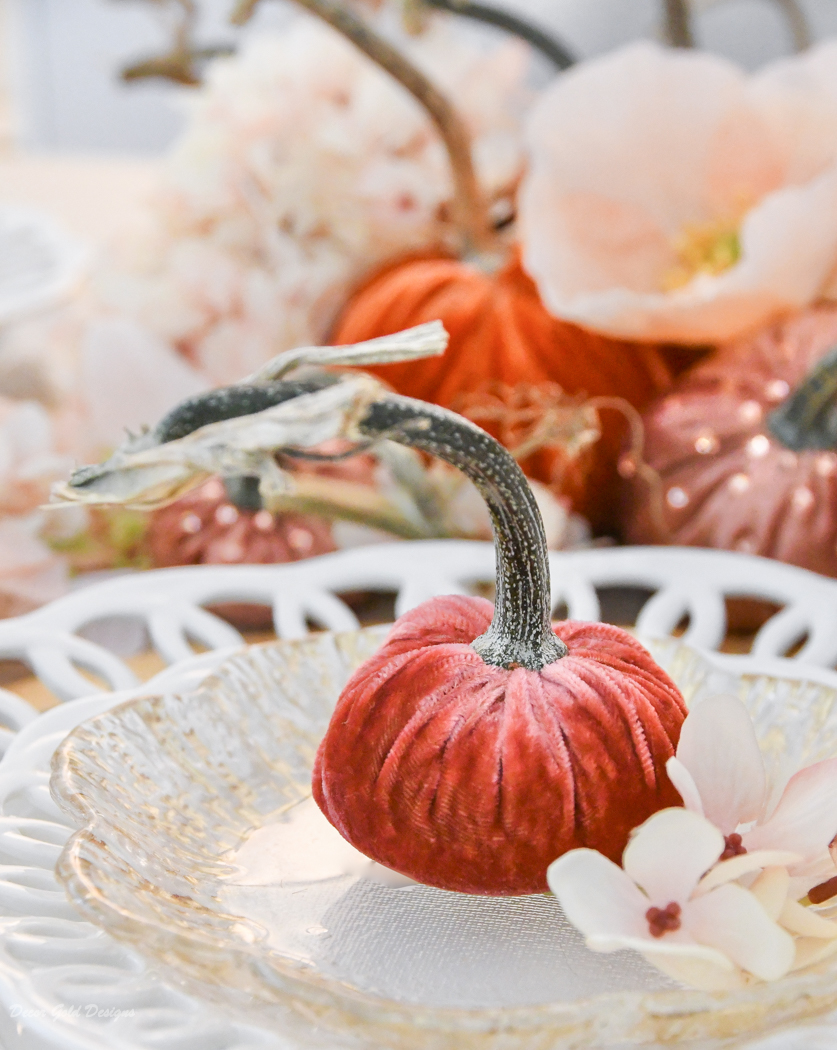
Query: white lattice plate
(199, 849)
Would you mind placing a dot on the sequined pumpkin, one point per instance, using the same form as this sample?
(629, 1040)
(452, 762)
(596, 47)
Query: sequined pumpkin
(205, 528)
(727, 480)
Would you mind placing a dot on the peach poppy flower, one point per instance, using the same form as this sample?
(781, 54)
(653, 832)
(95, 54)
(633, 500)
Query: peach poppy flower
(672, 197)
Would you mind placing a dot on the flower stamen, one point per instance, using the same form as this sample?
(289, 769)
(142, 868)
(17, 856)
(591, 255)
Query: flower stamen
(708, 247)
(664, 920)
(733, 846)
(824, 892)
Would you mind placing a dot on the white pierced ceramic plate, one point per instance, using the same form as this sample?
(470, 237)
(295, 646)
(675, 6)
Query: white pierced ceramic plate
(200, 846)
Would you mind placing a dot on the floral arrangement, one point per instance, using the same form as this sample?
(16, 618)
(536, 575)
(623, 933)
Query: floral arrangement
(302, 167)
(308, 182)
(724, 891)
(444, 744)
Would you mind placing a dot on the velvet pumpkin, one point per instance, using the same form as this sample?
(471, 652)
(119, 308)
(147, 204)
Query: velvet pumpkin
(500, 331)
(745, 449)
(477, 745)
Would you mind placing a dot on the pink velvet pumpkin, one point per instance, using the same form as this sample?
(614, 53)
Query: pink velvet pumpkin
(478, 745)
(745, 449)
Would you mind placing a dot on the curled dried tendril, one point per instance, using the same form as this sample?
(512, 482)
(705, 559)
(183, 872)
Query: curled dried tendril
(531, 417)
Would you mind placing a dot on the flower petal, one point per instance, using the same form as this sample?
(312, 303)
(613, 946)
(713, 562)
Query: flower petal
(771, 890)
(806, 923)
(732, 920)
(628, 150)
(718, 746)
(805, 820)
(599, 899)
(684, 785)
(667, 855)
(810, 950)
(699, 973)
(735, 867)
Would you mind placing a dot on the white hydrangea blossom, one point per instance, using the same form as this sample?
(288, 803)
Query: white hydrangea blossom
(303, 167)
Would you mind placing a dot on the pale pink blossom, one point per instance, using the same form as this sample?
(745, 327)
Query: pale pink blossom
(30, 573)
(129, 379)
(719, 772)
(29, 459)
(672, 197)
(655, 904)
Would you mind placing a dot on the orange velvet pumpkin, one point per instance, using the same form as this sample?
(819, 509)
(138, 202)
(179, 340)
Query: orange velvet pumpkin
(501, 332)
(480, 742)
(473, 777)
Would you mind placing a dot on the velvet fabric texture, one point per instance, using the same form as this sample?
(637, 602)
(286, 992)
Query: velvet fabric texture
(474, 778)
(500, 331)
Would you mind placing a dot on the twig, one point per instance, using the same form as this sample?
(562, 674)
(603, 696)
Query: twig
(182, 61)
(797, 23)
(636, 462)
(557, 52)
(181, 67)
(677, 29)
(470, 206)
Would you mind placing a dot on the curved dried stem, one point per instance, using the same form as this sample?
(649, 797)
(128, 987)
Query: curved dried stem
(551, 48)
(183, 61)
(633, 464)
(797, 21)
(677, 27)
(470, 207)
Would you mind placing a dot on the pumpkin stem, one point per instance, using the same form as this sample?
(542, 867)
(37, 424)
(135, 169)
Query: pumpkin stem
(807, 418)
(470, 207)
(555, 50)
(521, 631)
(677, 28)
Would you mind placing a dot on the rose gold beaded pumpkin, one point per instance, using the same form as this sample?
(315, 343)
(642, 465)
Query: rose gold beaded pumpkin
(206, 528)
(746, 450)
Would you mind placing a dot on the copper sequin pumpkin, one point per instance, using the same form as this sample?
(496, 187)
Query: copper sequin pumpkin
(746, 449)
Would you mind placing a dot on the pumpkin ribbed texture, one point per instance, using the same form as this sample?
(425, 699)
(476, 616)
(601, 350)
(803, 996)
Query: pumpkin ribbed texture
(474, 778)
(501, 332)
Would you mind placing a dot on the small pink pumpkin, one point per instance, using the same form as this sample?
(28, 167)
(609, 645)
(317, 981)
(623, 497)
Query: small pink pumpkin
(745, 448)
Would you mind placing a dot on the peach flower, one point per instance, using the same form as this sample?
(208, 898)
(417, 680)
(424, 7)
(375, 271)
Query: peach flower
(672, 197)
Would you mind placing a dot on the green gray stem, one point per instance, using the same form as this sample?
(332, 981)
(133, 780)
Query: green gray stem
(807, 418)
(521, 632)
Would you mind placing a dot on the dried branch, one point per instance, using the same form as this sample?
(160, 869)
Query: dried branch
(677, 28)
(470, 206)
(183, 61)
(556, 51)
(797, 23)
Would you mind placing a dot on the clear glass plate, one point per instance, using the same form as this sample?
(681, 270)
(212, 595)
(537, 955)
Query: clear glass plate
(200, 846)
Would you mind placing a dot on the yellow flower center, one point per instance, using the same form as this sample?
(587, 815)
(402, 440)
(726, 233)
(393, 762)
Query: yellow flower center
(703, 247)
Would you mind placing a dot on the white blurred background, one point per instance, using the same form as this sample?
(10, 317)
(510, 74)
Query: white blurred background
(62, 93)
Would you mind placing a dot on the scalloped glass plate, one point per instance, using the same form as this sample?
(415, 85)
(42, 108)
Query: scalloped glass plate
(200, 846)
